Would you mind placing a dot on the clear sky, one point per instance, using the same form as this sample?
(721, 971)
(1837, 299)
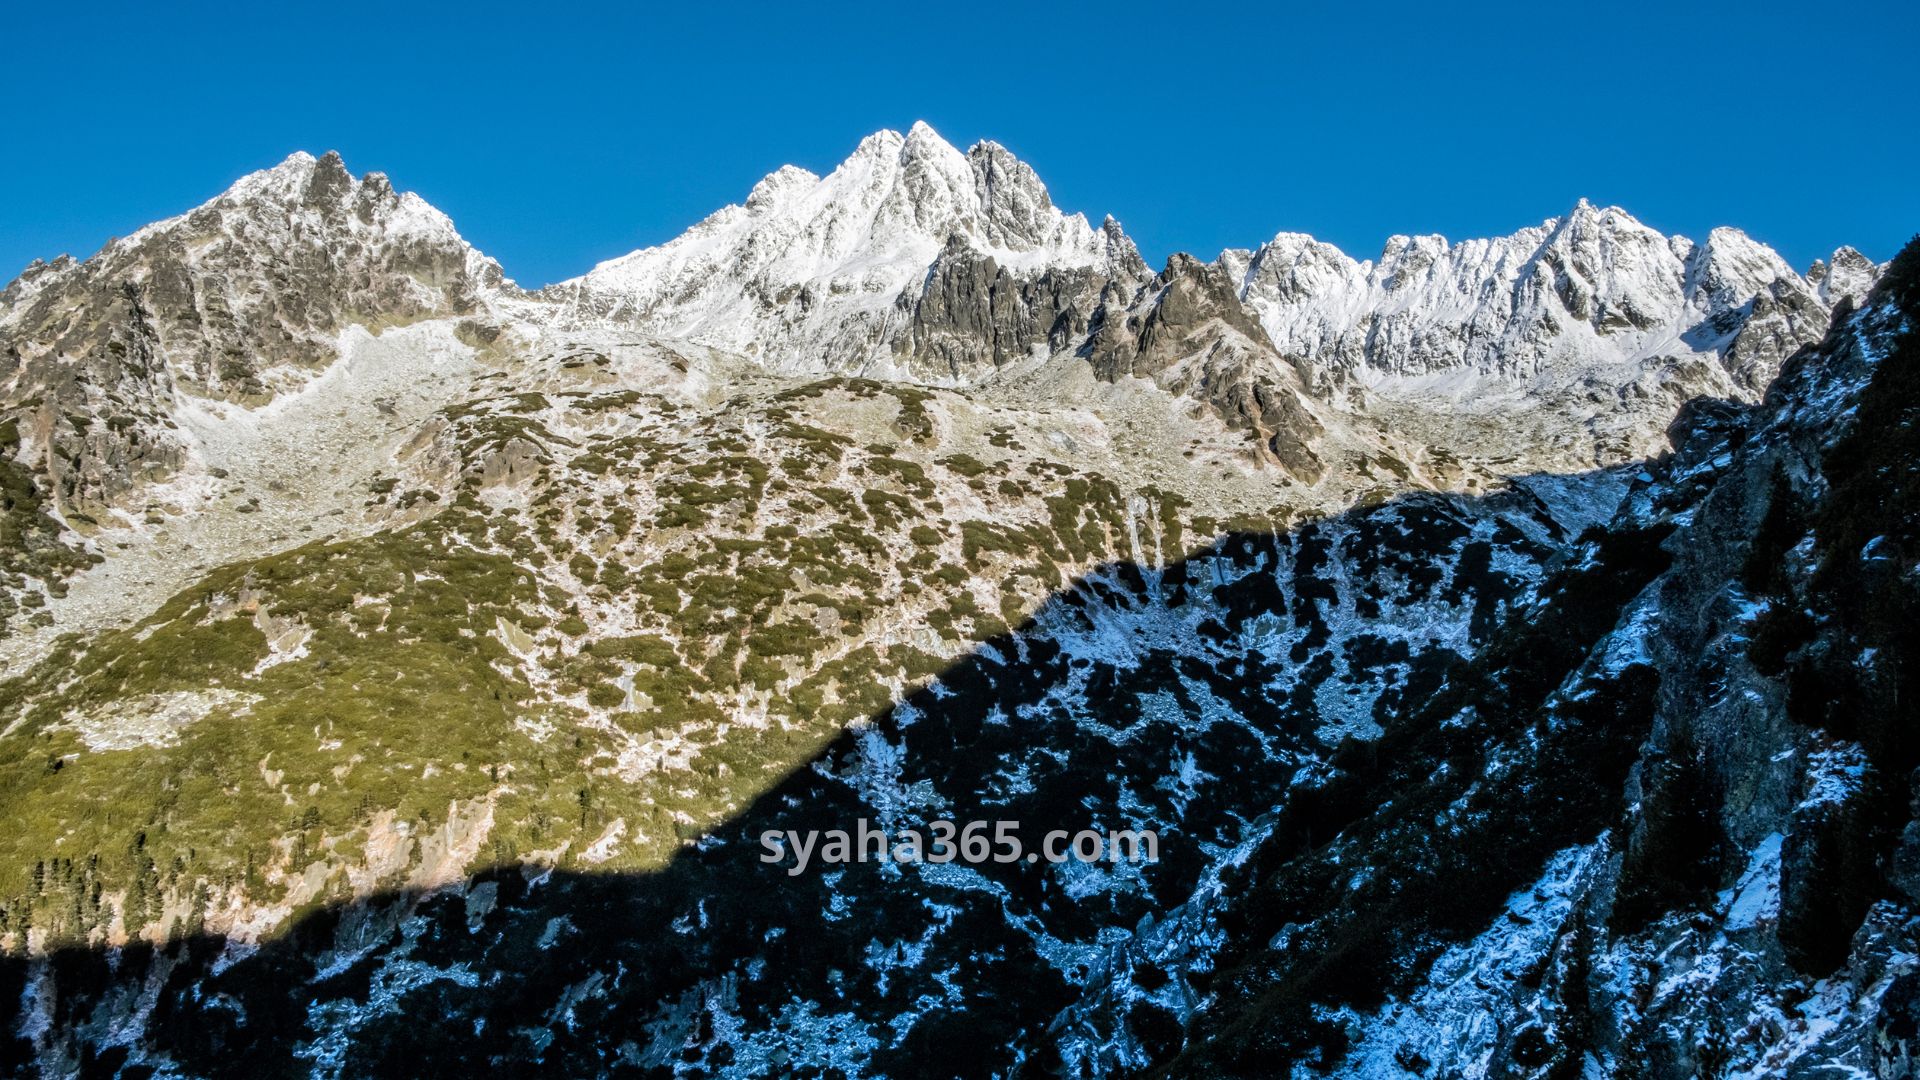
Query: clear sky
(556, 136)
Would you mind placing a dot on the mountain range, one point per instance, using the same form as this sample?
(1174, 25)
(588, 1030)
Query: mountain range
(1504, 637)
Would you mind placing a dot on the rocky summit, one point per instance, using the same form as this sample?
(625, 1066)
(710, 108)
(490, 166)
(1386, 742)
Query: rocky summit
(1505, 644)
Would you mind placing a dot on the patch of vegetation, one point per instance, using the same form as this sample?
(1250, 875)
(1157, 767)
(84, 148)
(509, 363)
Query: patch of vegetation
(386, 711)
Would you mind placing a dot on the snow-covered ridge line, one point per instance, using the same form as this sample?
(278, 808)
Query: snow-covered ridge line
(825, 273)
(1592, 288)
(840, 272)
(1565, 345)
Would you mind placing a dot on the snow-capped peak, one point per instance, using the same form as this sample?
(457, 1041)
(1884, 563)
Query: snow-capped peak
(282, 182)
(247, 293)
(1847, 273)
(784, 182)
(812, 271)
(323, 193)
(1593, 288)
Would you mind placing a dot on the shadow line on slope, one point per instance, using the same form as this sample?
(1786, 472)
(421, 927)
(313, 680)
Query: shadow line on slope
(574, 973)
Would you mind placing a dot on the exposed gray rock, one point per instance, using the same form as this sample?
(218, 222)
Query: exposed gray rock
(1189, 334)
(236, 300)
(974, 315)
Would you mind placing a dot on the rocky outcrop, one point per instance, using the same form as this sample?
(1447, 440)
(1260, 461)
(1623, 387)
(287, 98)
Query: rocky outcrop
(1846, 275)
(974, 315)
(91, 429)
(1189, 334)
(259, 279)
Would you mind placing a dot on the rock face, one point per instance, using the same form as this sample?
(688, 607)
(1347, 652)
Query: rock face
(916, 258)
(239, 300)
(1189, 334)
(257, 280)
(974, 315)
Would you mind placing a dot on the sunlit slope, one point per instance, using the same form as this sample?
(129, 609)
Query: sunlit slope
(598, 621)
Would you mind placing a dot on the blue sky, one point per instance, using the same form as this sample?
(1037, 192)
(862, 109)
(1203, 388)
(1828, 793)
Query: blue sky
(557, 136)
